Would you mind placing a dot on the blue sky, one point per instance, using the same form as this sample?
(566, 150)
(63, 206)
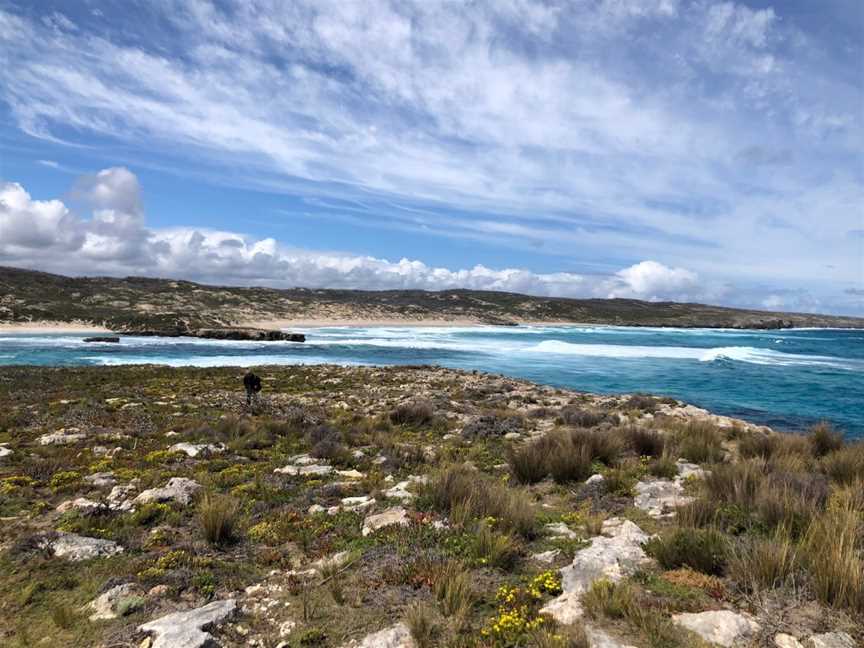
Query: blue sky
(659, 149)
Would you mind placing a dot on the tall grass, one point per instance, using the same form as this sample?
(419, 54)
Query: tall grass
(703, 550)
(760, 563)
(218, 518)
(700, 442)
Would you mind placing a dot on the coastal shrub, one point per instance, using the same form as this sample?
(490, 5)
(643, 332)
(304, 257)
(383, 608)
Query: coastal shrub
(703, 550)
(824, 439)
(831, 552)
(643, 441)
(489, 425)
(642, 402)
(758, 563)
(619, 481)
(603, 445)
(415, 413)
(845, 465)
(529, 462)
(461, 487)
(494, 549)
(790, 500)
(569, 461)
(759, 445)
(700, 442)
(663, 466)
(579, 417)
(735, 483)
(218, 518)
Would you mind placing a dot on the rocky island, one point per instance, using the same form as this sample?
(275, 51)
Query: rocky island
(412, 507)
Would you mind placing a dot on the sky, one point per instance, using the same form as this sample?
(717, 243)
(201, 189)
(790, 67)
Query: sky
(687, 150)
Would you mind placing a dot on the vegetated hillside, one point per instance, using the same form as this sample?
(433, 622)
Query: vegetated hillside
(138, 303)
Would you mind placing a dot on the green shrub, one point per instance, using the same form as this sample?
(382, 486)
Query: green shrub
(703, 550)
(700, 442)
(824, 439)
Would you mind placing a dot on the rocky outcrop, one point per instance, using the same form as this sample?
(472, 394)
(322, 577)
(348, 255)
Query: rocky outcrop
(188, 629)
(75, 547)
(611, 556)
(111, 339)
(397, 516)
(197, 449)
(721, 627)
(660, 497)
(115, 602)
(397, 636)
(230, 333)
(178, 489)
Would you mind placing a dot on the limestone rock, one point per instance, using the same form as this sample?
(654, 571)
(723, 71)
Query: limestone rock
(188, 629)
(599, 639)
(782, 640)
(4, 451)
(118, 498)
(546, 556)
(79, 504)
(101, 479)
(178, 489)
(722, 627)
(107, 605)
(830, 640)
(560, 530)
(74, 547)
(397, 515)
(612, 556)
(312, 470)
(397, 636)
(196, 449)
(62, 437)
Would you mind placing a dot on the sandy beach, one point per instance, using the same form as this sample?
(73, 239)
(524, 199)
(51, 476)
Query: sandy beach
(321, 322)
(51, 327)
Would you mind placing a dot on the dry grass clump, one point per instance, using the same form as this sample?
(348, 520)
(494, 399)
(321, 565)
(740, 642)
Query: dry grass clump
(572, 636)
(415, 413)
(703, 550)
(462, 491)
(664, 466)
(644, 441)
(832, 551)
(583, 418)
(824, 439)
(453, 589)
(607, 599)
(420, 619)
(565, 455)
(218, 518)
(845, 465)
(700, 442)
(760, 563)
(529, 462)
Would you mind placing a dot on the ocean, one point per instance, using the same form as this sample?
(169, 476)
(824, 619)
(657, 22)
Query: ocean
(787, 379)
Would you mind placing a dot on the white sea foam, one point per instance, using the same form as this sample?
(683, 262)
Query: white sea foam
(215, 361)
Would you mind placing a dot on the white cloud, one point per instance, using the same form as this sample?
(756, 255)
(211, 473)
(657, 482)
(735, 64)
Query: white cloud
(115, 240)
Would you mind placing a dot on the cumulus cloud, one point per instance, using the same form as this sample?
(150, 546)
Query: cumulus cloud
(115, 239)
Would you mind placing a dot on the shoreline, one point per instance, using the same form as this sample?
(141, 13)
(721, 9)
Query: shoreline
(51, 327)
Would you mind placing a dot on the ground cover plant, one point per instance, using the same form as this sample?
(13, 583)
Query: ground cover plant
(350, 500)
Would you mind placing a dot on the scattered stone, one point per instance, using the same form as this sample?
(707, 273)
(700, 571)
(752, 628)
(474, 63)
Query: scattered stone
(62, 437)
(187, 629)
(546, 556)
(350, 474)
(286, 627)
(4, 451)
(197, 449)
(101, 479)
(352, 504)
(830, 640)
(109, 605)
(397, 636)
(315, 508)
(560, 530)
(595, 479)
(512, 436)
(492, 426)
(659, 497)
(74, 547)
(782, 640)
(79, 504)
(722, 627)
(613, 555)
(118, 498)
(178, 489)
(397, 515)
(336, 560)
(599, 639)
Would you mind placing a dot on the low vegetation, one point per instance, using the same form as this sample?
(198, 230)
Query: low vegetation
(492, 498)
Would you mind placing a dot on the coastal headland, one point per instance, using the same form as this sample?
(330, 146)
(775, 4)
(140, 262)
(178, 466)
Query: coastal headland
(409, 507)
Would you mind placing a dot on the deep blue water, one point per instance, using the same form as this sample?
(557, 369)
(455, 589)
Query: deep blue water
(787, 379)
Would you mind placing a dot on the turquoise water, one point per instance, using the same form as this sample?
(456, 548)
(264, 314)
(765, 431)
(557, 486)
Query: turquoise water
(787, 379)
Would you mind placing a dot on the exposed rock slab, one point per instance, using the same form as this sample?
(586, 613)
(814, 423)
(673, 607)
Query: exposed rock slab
(783, 640)
(75, 547)
(722, 627)
(660, 497)
(397, 636)
(612, 556)
(394, 516)
(196, 449)
(188, 629)
(108, 604)
(599, 639)
(830, 640)
(178, 489)
(61, 437)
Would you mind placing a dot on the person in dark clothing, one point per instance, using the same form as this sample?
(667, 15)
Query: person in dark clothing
(252, 383)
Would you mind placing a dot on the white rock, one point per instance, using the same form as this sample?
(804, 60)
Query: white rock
(782, 640)
(336, 560)
(350, 474)
(196, 449)
(286, 627)
(188, 629)
(118, 498)
(61, 437)
(178, 489)
(352, 504)
(722, 627)
(79, 504)
(4, 451)
(686, 469)
(397, 636)
(302, 460)
(512, 436)
(305, 471)
(830, 640)
(101, 479)
(397, 515)
(612, 556)
(560, 530)
(599, 639)
(593, 479)
(315, 508)
(546, 556)
(106, 605)
(74, 547)
(659, 497)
